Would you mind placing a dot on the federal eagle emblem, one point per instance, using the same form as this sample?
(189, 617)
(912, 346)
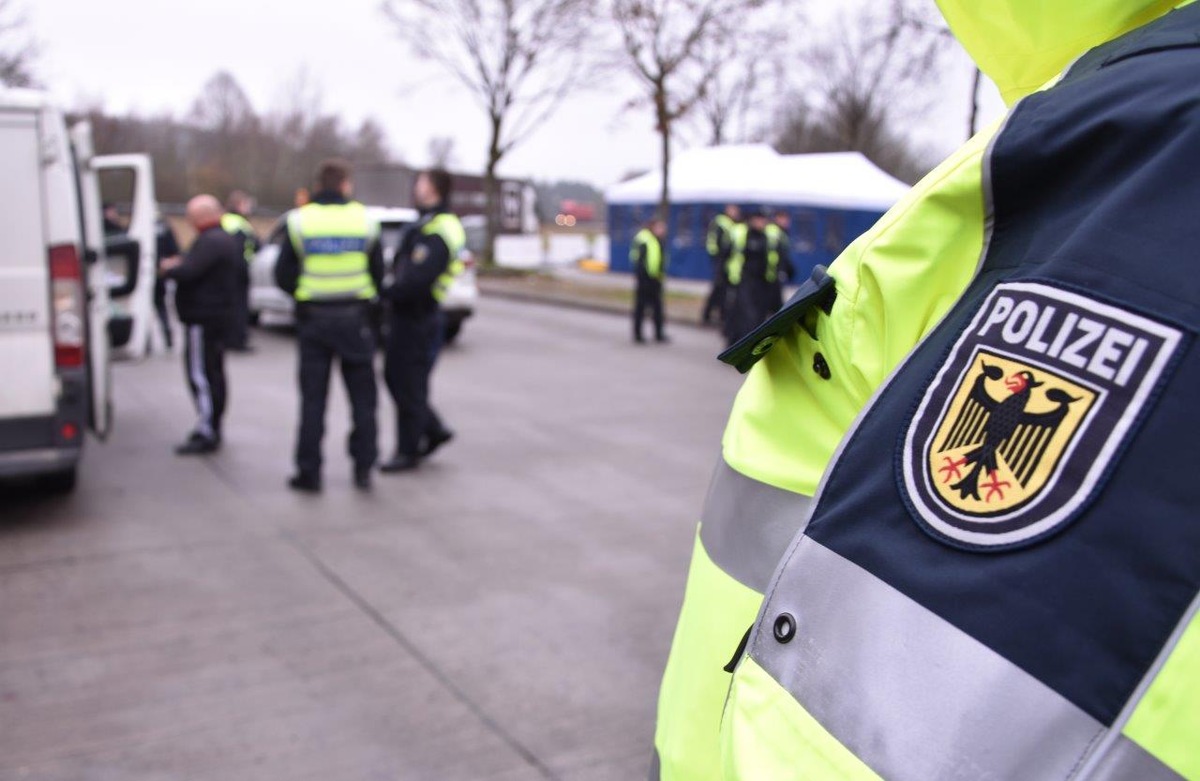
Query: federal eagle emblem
(1034, 401)
(1004, 435)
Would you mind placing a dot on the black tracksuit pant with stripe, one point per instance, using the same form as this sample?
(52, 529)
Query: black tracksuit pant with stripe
(204, 366)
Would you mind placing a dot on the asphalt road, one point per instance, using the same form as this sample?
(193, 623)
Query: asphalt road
(504, 613)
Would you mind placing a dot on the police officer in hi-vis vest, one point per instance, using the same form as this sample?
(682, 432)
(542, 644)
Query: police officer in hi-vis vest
(953, 532)
(427, 262)
(753, 273)
(780, 243)
(719, 243)
(649, 259)
(238, 207)
(333, 265)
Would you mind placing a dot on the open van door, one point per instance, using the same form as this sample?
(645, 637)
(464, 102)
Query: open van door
(96, 279)
(130, 260)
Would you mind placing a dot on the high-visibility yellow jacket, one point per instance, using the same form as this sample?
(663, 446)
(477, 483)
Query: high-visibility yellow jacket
(845, 674)
(719, 239)
(646, 255)
(332, 240)
(235, 224)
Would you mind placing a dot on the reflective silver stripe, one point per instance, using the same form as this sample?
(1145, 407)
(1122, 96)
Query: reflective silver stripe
(912, 696)
(1127, 761)
(204, 405)
(362, 272)
(747, 525)
(1144, 686)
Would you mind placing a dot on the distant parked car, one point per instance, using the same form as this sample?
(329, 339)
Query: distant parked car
(269, 304)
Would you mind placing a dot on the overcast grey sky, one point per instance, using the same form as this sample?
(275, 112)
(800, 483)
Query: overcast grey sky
(154, 56)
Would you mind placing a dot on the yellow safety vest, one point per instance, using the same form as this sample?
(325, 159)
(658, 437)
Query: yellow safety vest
(894, 284)
(450, 230)
(654, 253)
(233, 224)
(737, 258)
(331, 241)
(721, 224)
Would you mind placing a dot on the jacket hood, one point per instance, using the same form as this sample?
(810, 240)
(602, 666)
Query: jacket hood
(1022, 44)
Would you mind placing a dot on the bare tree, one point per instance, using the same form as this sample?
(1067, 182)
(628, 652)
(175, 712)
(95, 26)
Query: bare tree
(222, 105)
(749, 69)
(18, 50)
(518, 58)
(441, 151)
(370, 146)
(228, 155)
(673, 48)
(729, 99)
(225, 143)
(866, 74)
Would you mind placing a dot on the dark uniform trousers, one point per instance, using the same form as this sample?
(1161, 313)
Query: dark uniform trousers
(412, 347)
(239, 335)
(715, 305)
(204, 365)
(342, 331)
(750, 303)
(648, 296)
(160, 309)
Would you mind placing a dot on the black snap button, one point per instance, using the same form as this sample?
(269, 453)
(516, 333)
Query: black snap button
(785, 628)
(765, 345)
(821, 367)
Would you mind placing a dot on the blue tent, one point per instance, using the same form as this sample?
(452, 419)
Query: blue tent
(832, 199)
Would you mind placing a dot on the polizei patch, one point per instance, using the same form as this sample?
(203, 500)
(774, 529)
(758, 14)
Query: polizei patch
(1034, 401)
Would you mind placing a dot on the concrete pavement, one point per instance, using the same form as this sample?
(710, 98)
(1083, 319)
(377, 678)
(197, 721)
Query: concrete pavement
(504, 613)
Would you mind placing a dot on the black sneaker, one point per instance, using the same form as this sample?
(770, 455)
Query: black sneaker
(307, 483)
(362, 478)
(400, 464)
(434, 441)
(198, 445)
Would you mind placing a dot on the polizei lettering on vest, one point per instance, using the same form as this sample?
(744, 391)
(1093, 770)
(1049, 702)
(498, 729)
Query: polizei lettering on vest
(1099, 348)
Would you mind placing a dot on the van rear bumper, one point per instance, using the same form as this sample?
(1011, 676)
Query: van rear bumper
(36, 445)
(17, 463)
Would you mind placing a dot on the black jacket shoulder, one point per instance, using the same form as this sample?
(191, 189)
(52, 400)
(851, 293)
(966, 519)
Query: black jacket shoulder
(206, 281)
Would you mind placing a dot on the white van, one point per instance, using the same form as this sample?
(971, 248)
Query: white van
(56, 316)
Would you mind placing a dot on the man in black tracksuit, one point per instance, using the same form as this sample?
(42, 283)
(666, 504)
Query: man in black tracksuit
(204, 297)
(332, 263)
(424, 263)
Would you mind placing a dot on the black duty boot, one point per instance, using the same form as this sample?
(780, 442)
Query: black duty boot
(400, 463)
(305, 482)
(436, 440)
(198, 445)
(362, 478)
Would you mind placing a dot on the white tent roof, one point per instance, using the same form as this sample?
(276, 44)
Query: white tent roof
(756, 173)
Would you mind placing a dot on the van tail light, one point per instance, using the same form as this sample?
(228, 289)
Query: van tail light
(66, 290)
